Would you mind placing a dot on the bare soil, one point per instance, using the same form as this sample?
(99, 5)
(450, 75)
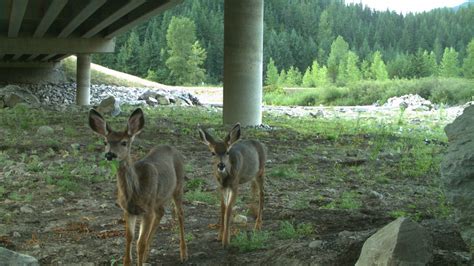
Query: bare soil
(86, 226)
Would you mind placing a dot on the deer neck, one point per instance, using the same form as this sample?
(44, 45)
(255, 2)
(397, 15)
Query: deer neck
(127, 178)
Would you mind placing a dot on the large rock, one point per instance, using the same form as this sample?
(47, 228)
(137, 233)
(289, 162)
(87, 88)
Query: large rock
(12, 95)
(457, 171)
(8, 257)
(109, 106)
(401, 242)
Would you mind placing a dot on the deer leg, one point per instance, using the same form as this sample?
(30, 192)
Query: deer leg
(252, 205)
(183, 251)
(261, 194)
(229, 196)
(148, 220)
(129, 235)
(221, 219)
(159, 214)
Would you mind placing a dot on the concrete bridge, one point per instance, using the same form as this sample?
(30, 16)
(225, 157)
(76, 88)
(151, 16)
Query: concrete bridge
(37, 34)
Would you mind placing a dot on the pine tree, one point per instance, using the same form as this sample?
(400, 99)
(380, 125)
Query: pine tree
(449, 66)
(322, 79)
(337, 59)
(186, 54)
(128, 55)
(315, 72)
(352, 70)
(272, 74)
(325, 35)
(378, 69)
(293, 77)
(468, 65)
(282, 78)
(308, 79)
(430, 63)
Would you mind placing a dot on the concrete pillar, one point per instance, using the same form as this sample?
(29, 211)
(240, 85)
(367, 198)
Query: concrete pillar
(243, 56)
(83, 79)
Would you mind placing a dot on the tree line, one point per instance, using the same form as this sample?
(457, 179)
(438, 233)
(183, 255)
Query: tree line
(297, 34)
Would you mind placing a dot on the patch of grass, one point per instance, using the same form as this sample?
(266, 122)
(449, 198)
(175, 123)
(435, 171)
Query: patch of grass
(201, 196)
(250, 241)
(299, 201)
(195, 184)
(347, 201)
(286, 171)
(289, 231)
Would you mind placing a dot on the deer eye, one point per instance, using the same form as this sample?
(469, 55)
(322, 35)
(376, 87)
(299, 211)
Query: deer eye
(123, 143)
(105, 143)
(213, 153)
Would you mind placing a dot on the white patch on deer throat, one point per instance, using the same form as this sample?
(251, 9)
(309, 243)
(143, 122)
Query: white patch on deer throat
(227, 193)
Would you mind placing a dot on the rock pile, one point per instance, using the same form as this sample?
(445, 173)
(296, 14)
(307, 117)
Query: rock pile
(12, 95)
(65, 94)
(410, 101)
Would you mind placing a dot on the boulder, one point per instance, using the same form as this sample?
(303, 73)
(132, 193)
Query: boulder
(163, 100)
(8, 257)
(109, 106)
(12, 95)
(401, 242)
(45, 131)
(457, 171)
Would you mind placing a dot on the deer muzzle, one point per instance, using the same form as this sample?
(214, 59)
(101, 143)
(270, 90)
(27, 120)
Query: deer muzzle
(110, 156)
(221, 167)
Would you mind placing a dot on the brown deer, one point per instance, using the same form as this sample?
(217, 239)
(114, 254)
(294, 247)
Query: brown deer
(144, 186)
(236, 162)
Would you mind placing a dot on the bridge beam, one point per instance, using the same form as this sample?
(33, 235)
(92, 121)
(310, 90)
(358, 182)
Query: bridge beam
(55, 45)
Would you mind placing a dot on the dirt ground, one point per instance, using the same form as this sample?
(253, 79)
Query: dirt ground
(83, 225)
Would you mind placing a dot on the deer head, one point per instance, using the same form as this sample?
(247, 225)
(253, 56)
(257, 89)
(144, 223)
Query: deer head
(117, 143)
(220, 149)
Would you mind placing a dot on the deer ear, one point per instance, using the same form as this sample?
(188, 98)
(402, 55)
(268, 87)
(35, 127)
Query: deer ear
(205, 137)
(233, 136)
(136, 122)
(98, 124)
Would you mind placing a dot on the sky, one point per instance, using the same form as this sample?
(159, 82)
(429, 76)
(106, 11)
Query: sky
(405, 6)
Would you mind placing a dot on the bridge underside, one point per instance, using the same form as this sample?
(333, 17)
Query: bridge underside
(50, 30)
(36, 34)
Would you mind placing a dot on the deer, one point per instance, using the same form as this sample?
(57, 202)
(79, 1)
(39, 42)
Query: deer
(145, 186)
(235, 162)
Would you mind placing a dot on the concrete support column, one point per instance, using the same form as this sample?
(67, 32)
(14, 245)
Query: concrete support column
(243, 56)
(83, 79)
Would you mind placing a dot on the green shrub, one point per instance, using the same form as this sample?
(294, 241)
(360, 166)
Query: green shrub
(250, 241)
(438, 90)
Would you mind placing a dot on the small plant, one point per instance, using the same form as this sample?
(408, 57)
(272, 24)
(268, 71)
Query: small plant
(289, 231)
(398, 213)
(195, 184)
(250, 241)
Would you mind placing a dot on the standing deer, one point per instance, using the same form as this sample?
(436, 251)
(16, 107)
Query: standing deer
(144, 186)
(236, 162)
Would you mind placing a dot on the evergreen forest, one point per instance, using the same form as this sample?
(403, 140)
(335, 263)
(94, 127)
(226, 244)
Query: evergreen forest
(307, 43)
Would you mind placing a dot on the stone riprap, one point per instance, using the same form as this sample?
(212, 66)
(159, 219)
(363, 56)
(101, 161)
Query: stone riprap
(65, 94)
